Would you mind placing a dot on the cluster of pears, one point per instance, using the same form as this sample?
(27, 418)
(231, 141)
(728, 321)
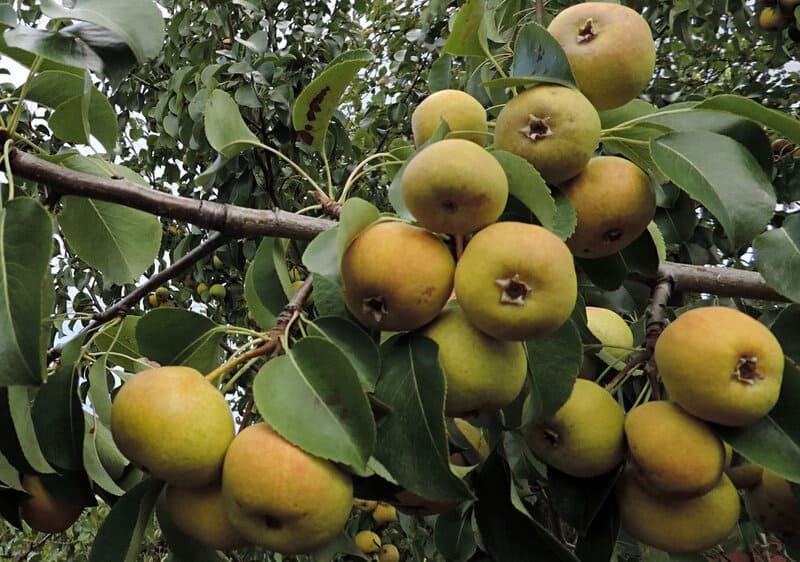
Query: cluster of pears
(222, 489)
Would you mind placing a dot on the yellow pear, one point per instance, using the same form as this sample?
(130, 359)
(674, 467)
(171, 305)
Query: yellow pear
(613, 203)
(516, 281)
(610, 49)
(396, 276)
(553, 127)
(720, 365)
(483, 374)
(464, 115)
(388, 553)
(367, 542)
(384, 513)
(365, 505)
(772, 504)
(584, 437)
(745, 476)
(673, 452)
(44, 512)
(611, 330)
(174, 424)
(478, 444)
(280, 497)
(673, 524)
(455, 186)
(200, 513)
(771, 18)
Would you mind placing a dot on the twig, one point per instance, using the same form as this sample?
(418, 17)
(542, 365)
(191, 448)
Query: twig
(330, 207)
(655, 322)
(540, 12)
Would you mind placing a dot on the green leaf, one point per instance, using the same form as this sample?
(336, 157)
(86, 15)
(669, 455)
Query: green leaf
(118, 342)
(778, 252)
(634, 144)
(120, 537)
(262, 285)
(608, 273)
(632, 110)
(320, 256)
(538, 55)
(99, 393)
(721, 174)
(172, 336)
(225, 129)
(642, 255)
(58, 419)
(579, 500)
(26, 449)
(26, 241)
(312, 397)
(453, 535)
(59, 47)
(776, 120)
(119, 241)
(525, 183)
(118, 58)
(565, 220)
(597, 544)
(468, 35)
(91, 457)
(412, 443)
(315, 105)
(784, 326)
(356, 216)
(328, 297)
(139, 23)
(354, 343)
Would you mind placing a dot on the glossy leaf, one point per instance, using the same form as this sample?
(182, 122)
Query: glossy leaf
(525, 183)
(354, 343)
(778, 252)
(357, 214)
(454, 536)
(328, 297)
(61, 48)
(468, 35)
(172, 336)
(58, 419)
(565, 220)
(92, 462)
(320, 255)
(744, 107)
(538, 55)
(312, 397)
(225, 129)
(21, 445)
(99, 393)
(262, 285)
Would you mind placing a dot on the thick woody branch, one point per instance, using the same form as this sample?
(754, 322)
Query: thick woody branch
(720, 281)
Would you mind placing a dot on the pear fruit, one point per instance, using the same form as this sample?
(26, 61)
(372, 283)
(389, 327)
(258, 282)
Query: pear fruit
(516, 281)
(365, 505)
(772, 504)
(42, 511)
(280, 497)
(553, 127)
(464, 115)
(613, 203)
(720, 365)
(174, 424)
(771, 18)
(673, 452)
(388, 553)
(745, 476)
(674, 524)
(611, 330)
(396, 276)
(483, 374)
(367, 542)
(200, 513)
(584, 438)
(455, 186)
(384, 513)
(610, 49)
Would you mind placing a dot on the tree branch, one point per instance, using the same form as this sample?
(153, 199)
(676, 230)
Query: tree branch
(721, 281)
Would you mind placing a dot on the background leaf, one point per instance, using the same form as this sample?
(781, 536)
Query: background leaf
(525, 183)
(538, 55)
(778, 252)
(356, 216)
(58, 419)
(468, 36)
(171, 336)
(262, 285)
(225, 129)
(354, 343)
(738, 105)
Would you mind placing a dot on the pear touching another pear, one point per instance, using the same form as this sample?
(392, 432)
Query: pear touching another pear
(174, 424)
(611, 330)
(200, 513)
(463, 114)
(280, 497)
(44, 512)
(367, 542)
(720, 365)
(396, 276)
(773, 505)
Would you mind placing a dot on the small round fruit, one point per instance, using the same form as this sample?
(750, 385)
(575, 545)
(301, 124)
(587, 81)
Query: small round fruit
(772, 18)
(516, 281)
(720, 365)
(368, 541)
(200, 513)
(217, 262)
(611, 330)
(483, 374)
(455, 186)
(672, 451)
(174, 424)
(464, 115)
(152, 300)
(365, 505)
(163, 294)
(384, 513)
(217, 291)
(555, 128)
(677, 524)
(396, 277)
(388, 553)
(613, 203)
(610, 49)
(44, 512)
(585, 437)
(745, 476)
(772, 504)
(201, 288)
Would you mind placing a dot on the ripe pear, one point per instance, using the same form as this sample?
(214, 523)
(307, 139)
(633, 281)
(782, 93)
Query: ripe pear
(367, 542)
(477, 442)
(516, 281)
(745, 476)
(384, 513)
(174, 424)
(388, 553)
(674, 524)
(44, 512)
(772, 504)
(483, 374)
(365, 505)
(280, 497)
(672, 451)
(455, 186)
(200, 513)
(610, 49)
(464, 115)
(720, 365)
(613, 203)
(611, 330)
(555, 128)
(396, 276)
(584, 438)
(771, 18)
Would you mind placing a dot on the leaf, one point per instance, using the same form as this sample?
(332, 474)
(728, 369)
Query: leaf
(22, 445)
(139, 23)
(354, 343)
(313, 398)
(778, 255)
(120, 537)
(607, 273)
(738, 105)
(99, 393)
(118, 58)
(225, 129)
(597, 544)
(453, 536)
(468, 35)
(59, 47)
(328, 298)
(412, 443)
(525, 183)
(172, 336)
(314, 107)
(356, 216)
(642, 255)
(538, 55)
(91, 458)
(565, 220)
(58, 419)
(721, 174)
(26, 242)
(262, 285)
(320, 256)
(784, 326)
(632, 110)
(119, 241)
(579, 500)
(116, 341)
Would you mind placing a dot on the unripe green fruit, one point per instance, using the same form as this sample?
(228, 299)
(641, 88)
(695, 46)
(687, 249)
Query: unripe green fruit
(464, 115)
(162, 293)
(218, 291)
(201, 288)
(217, 262)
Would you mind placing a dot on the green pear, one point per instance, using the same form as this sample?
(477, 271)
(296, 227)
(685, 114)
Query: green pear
(464, 115)
(200, 513)
(44, 512)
